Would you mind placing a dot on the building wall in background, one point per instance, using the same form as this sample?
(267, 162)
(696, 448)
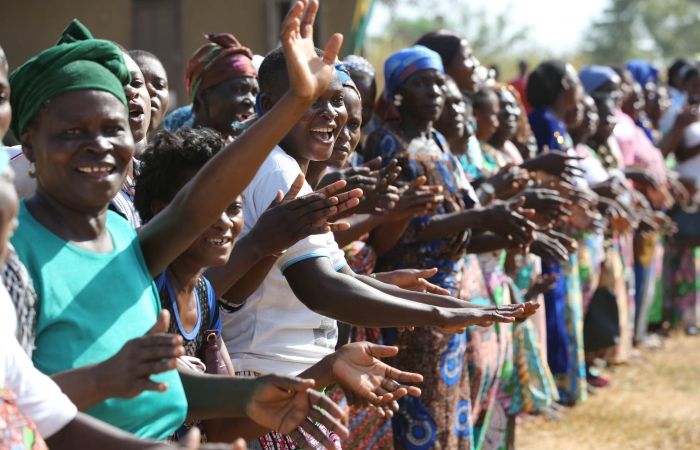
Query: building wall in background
(29, 26)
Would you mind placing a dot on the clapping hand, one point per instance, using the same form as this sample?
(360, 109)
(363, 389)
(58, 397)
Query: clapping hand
(289, 219)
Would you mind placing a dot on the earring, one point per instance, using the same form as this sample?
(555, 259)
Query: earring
(398, 98)
(32, 171)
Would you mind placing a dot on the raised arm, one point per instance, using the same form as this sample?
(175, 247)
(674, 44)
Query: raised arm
(231, 170)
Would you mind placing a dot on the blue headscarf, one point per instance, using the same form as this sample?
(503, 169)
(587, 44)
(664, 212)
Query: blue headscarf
(398, 68)
(593, 77)
(643, 71)
(345, 78)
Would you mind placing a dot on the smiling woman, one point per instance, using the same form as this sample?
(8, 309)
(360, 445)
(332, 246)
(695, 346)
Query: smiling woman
(222, 83)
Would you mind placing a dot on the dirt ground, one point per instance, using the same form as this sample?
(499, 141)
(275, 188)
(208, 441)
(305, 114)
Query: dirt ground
(654, 404)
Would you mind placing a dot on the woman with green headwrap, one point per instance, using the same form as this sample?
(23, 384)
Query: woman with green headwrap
(94, 275)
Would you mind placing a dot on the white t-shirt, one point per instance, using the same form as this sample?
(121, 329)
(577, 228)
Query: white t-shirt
(273, 331)
(37, 395)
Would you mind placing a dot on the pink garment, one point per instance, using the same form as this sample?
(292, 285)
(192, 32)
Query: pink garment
(637, 149)
(512, 153)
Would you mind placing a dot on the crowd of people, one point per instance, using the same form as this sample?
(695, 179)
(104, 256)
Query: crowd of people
(296, 260)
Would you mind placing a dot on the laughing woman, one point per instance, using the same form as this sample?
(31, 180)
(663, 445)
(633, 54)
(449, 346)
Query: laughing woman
(71, 113)
(222, 84)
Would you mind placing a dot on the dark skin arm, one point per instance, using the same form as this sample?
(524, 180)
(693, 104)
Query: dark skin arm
(346, 298)
(273, 402)
(228, 173)
(87, 432)
(359, 225)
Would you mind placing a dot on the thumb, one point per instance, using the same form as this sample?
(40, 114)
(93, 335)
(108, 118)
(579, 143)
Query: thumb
(380, 351)
(373, 163)
(192, 439)
(425, 273)
(292, 384)
(162, 323)
(240, 444)
(294, 189)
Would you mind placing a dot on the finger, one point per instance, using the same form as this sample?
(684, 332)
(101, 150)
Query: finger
(192, 439)
(347, 196)
(372, 164)
(401, 376)
(331, 189)
(162, 323)
(325, 403)
(300, 440)
(294, 190)
(145, 384)
(310, 427)
(155, 367)
(425, 273)
(307, 23)
(240, 444)
(331, 424)
(330, 54)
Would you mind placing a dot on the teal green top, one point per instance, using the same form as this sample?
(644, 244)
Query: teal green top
(89, 305)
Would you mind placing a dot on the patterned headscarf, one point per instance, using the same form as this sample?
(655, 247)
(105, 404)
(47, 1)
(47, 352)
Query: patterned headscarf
(345, 78)
(359, 64)
(76, 62)
(397, 69)
(220, 60)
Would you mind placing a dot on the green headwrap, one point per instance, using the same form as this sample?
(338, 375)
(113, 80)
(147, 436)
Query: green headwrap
(77, 62)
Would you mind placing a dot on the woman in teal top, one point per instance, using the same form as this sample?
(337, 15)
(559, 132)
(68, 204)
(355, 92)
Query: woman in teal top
(94, 275)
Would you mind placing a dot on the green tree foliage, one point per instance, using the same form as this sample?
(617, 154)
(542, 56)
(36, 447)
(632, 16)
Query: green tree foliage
(653, 29)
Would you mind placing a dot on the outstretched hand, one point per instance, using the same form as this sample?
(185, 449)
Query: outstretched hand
(459, 319)
(367, 381)
(309, 75)
(286, 404)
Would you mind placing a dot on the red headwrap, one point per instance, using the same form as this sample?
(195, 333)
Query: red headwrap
(222, 59)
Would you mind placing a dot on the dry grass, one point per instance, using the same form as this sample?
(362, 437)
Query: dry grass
(654, 404)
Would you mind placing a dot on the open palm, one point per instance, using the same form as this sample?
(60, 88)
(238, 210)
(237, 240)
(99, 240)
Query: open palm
(309, 75)
(361, 375)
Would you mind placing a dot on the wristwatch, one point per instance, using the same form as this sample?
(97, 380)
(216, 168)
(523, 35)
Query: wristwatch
(487, 188)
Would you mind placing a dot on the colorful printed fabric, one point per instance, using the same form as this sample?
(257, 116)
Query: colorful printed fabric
(367, 429)
(221, 59)
(17, 431)
(442, 417)
(647, 251)
(590, 257)
(683, 285)
(180, 118)
(359, 64)
(572, 384)
(397, 69)
(531, 386)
